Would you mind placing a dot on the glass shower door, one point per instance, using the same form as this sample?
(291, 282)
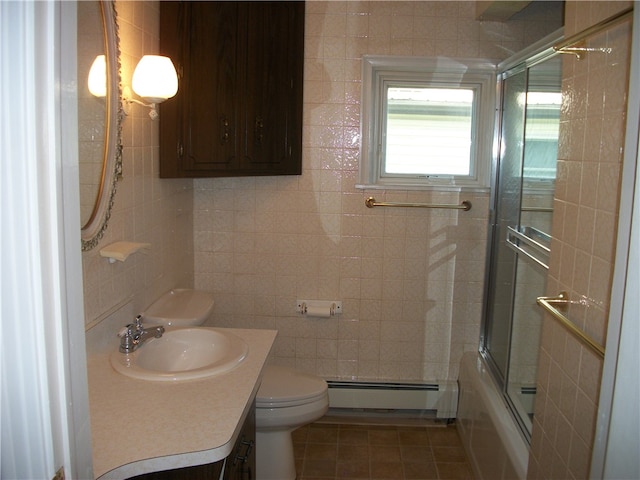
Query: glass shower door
(532, 245)
(524, 182)
(507, 192)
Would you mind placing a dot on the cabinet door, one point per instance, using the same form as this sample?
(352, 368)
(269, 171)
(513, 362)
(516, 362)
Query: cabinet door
(214, 57)
(199, 126)
(272, 127)
(241, 464)
(212, 87)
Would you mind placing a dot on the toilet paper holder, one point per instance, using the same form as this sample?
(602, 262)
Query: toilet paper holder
(319, 308)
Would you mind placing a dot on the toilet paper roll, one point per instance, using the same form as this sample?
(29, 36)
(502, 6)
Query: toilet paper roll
(323, 312)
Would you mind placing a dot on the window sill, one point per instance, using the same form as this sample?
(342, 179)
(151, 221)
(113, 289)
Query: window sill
(426, 188)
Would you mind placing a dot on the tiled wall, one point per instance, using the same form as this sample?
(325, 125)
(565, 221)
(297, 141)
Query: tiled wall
(585, 218)
(147, 209)
(410, 280)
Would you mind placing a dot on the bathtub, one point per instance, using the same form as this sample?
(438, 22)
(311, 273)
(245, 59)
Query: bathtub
(495, 446)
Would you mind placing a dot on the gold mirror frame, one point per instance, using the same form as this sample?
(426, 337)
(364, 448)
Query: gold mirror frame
(95, 227)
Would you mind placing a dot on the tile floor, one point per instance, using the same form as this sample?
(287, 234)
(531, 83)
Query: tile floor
(347, 451)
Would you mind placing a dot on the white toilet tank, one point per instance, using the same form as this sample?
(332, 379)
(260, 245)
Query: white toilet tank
(181, 307)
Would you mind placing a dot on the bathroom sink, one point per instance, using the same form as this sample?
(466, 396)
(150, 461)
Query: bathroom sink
(182, 354)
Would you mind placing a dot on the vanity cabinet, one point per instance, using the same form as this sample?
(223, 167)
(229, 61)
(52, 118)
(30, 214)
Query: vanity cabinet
(238, 110)
(210, 471)
(239, 465)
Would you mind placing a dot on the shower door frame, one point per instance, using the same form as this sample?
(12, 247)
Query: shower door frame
(533, 55)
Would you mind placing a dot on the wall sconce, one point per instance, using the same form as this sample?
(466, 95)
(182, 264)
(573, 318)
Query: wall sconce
(97, 81)
(155, 80)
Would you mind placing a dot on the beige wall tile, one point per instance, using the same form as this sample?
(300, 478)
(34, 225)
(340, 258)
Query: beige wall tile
(584, 232)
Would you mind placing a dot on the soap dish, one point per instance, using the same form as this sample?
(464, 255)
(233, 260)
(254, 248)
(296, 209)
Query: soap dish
(121, 250)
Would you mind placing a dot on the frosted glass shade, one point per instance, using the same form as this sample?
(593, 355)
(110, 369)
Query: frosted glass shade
(155, 78)
(97, 80)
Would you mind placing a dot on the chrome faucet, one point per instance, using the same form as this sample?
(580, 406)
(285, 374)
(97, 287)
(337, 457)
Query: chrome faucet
(135, 334)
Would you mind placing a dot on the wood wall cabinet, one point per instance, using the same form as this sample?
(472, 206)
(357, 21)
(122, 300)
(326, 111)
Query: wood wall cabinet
(238, 110)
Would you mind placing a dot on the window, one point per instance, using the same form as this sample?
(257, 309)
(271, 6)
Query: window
(426, 123)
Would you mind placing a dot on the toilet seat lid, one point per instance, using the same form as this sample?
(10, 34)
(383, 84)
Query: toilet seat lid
(283, 386)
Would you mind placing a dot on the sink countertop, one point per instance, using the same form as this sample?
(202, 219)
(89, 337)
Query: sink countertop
(140, 426)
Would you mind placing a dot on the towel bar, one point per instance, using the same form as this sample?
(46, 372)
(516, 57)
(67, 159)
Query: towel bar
(548, 303)
(569, 45)
(371, 202)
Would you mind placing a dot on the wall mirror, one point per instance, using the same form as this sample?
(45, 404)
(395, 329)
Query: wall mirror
(99, 116)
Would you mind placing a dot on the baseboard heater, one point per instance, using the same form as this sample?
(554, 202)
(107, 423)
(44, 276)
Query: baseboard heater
(441, 397)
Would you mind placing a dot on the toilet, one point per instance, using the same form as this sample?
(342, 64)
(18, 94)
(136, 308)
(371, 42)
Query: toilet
(287, 399)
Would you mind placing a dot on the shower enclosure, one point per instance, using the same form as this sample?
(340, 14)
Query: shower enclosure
(522, 210)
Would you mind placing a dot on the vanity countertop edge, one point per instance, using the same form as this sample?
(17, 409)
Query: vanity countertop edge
(140, 426)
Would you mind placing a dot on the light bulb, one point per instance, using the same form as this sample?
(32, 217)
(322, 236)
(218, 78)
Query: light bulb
(97, 80)
(155, 78)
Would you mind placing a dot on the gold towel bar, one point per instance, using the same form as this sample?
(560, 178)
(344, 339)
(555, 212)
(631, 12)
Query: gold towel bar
(371, 202)
(548, 303)
(567, 45)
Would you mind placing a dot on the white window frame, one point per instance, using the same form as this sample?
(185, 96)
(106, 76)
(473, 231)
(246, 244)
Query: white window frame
(379, 71)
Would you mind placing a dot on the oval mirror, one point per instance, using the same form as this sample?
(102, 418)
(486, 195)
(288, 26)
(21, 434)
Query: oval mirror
(99, 116)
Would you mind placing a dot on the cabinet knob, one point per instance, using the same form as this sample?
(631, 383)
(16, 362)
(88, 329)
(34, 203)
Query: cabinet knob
(259, 130)
(224, 129)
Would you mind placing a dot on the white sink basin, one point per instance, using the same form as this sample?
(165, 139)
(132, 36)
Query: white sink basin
(182, 354)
